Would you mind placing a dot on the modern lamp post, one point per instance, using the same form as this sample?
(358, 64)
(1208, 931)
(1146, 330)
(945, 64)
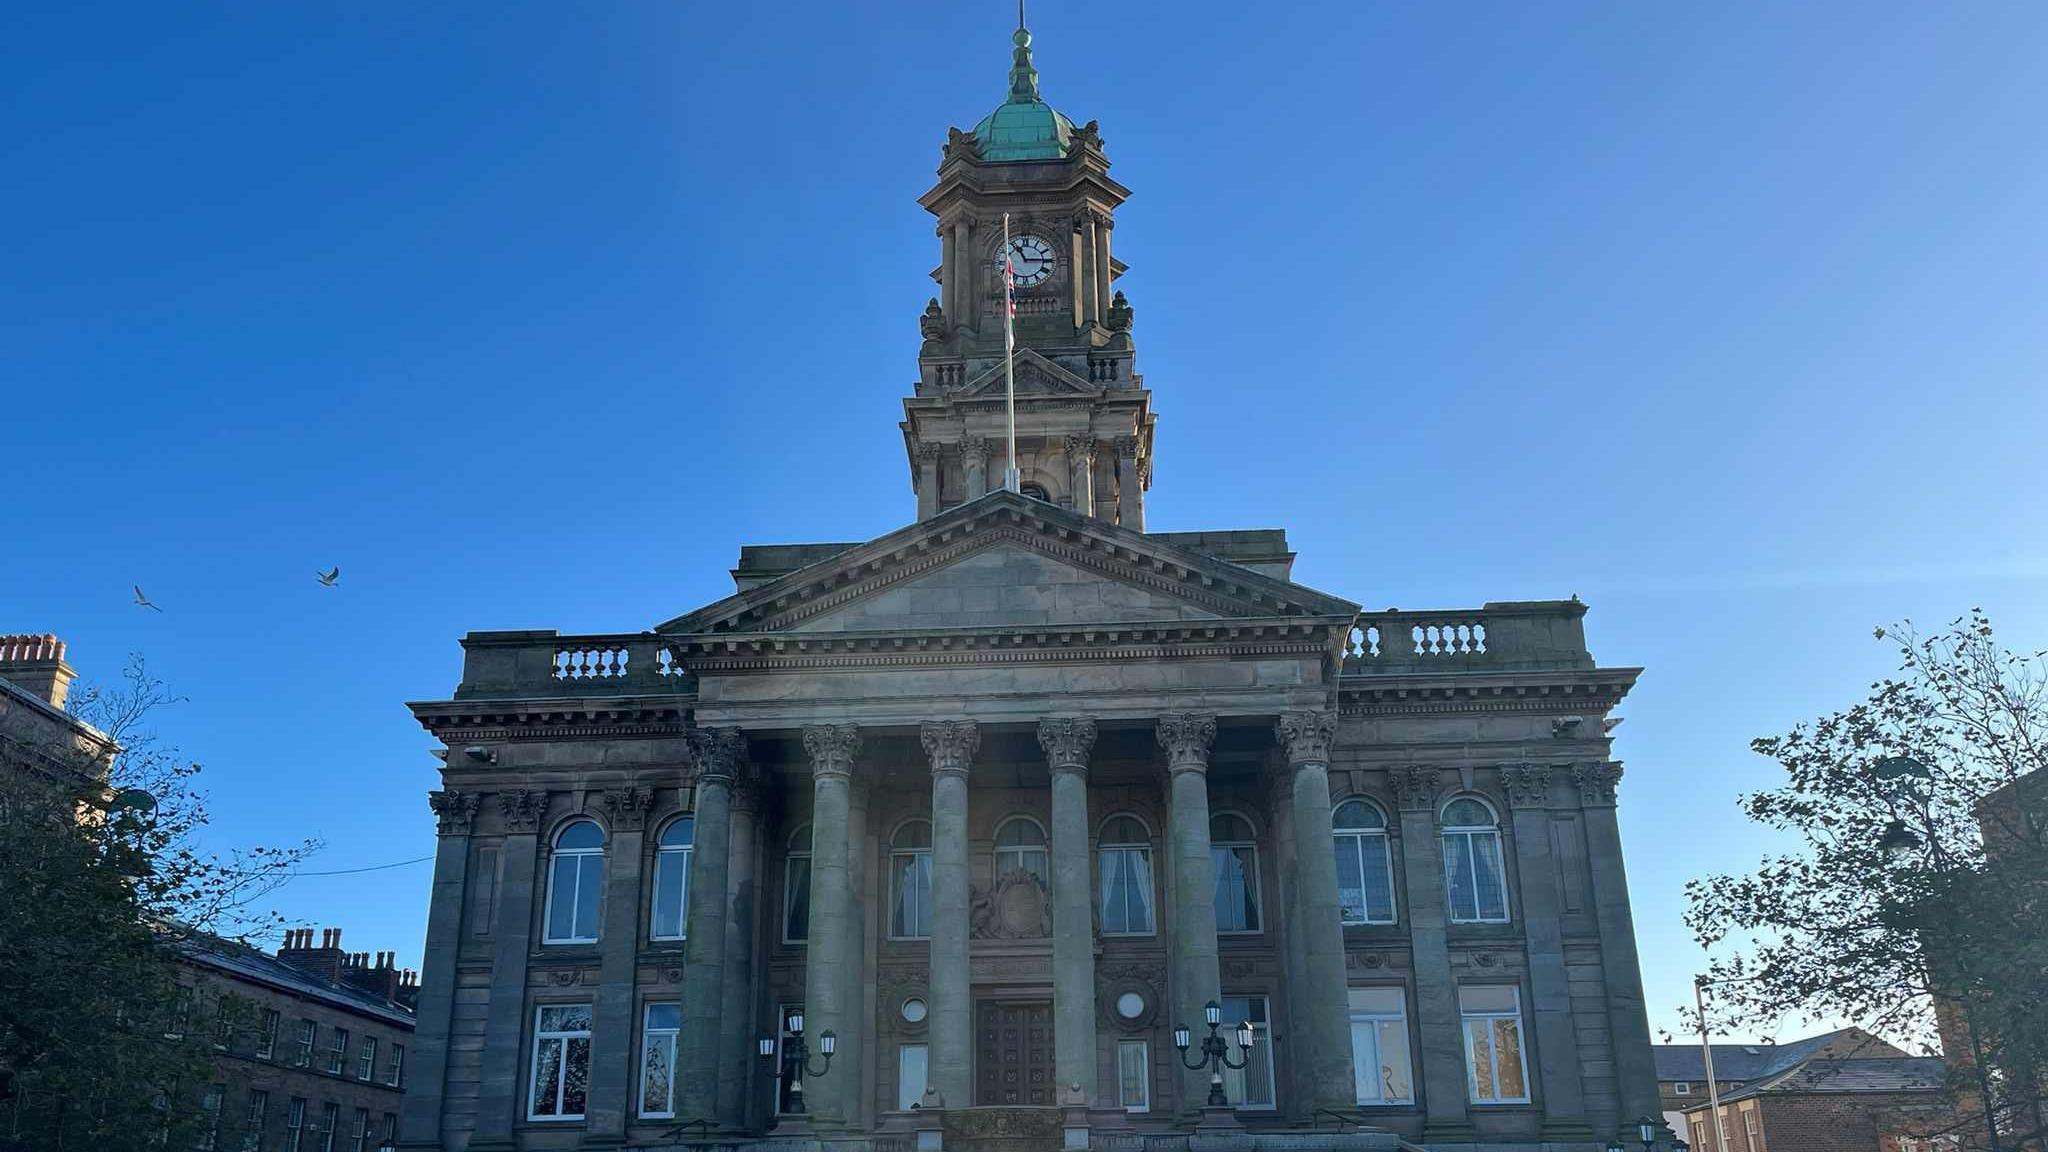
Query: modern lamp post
(796, 1057)
(1215, 1053)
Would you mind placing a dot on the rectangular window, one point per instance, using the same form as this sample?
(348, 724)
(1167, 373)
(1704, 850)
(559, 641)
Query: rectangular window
(223, 1023)
(561, 1062)
(266, 1038)
(484, 895)
(330, 1119)
(359, 1136)
(254, 1119)
(1126, 890)
(788, 1085)
(1134, 1075)
(366, 1062)
(181, 1013)
(294, 1124)
(1498, 1069)
(337, 1051)
(1699, 1136)
(1474, 877)
(1237, 887)
(1681, 1088)
(303, 1056)
(1380, 1069)
(796, 899)
(913, 1062)
(209, 1106)
(910, 895)
(394, 1069)
(391, 1127)
(671, 912)
(1752, 1126)
(1252, 1085)
(658, 1060)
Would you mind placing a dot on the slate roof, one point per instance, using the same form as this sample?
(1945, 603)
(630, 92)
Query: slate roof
(1878, 1074)
(244, 962)
(1743, 1062)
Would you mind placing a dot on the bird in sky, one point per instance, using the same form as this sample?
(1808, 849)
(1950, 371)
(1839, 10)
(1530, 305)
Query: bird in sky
(328, 578)
(143, 600)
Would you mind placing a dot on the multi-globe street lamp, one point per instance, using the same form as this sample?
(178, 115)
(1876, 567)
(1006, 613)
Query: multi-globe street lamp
(1215, 1053)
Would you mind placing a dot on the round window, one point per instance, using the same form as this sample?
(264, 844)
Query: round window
(914, 1010)
(1130, 1005)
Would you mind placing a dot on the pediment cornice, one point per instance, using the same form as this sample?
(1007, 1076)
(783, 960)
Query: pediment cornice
(732, 653)
(1108, 551)
(1589, 690)
(1036, 376)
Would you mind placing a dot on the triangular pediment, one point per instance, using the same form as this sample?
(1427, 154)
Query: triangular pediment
(1035, 375)
(1008, 561)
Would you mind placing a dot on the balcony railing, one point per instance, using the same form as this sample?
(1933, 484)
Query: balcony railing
(546, 663)
(1527, 634)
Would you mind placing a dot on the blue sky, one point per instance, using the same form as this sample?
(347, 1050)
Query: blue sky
(1725, 318)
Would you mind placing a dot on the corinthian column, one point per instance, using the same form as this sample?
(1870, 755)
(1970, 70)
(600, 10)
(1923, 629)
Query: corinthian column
(1067, 742)
(1130, 487)
(736, 1069)
(927, 479)
(951, 744)
(1436, 993)
(1628, 1022)
(455, 812)
(828, 993)
(1325, 1005)
(1081, 472)
(1186, 737)
(974, 462)
(1550, 993)
(718, 752)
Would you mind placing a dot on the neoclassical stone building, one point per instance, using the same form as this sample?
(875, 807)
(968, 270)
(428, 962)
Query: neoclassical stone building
(1002, 797)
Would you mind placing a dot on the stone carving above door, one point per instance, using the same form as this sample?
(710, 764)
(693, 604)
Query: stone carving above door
(1017, 908)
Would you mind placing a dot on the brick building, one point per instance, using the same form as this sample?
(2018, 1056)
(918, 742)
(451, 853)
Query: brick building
(1831, 1104)
(39, 740)
(1682, 1068)
(313, 1042)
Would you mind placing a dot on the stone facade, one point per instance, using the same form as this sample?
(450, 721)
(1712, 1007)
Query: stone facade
(999, 799)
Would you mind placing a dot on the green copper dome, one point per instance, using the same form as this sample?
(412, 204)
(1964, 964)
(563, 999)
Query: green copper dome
(1024, 127)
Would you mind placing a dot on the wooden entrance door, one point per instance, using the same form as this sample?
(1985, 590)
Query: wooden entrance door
(1013, 1053)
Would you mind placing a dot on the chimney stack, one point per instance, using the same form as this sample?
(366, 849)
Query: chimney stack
(326, 961)
(36, 664)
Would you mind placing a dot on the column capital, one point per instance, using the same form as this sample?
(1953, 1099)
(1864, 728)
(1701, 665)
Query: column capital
(951, 744)
(1126, 446)
(454, 812)
(1067, 740)
(1414, 786)
(974, 448)
(1307, 736)
(832, 748)
(1079, 446)
(626, 808)
(1528, 785)
(746, 795)
(1596, 782)
(719, 753)
(1186, 736)
(522, 809)
(928, 452)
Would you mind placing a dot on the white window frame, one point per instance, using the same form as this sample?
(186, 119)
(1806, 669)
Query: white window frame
(294, 1124)
(337, 1051)
(359, 1140)
(666, 857)
(330, 1121)
(904, 1098)
(789, 875)
(1465, 1019)
(1470, 835)
(896, 858)
(211, 1103)
(255, 1118)
(562, 1037)
(1262, 1036)
(366, 1063)
(583, 858)
(308, 1038)
(1364, 836)
(1144, 852)
(1258, 903)
(1143, 1048)
(394, 1068)
(649, 1037)
(1378, 1021)
(1752, 1128)
(1681, 1087)
(1020, 853)
(266, 1040)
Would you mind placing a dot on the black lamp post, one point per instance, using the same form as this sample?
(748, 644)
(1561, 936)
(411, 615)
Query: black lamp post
(1215, 1053)
(796, 1057)
(1616, 1146)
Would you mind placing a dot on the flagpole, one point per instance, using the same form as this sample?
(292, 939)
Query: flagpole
(1011, 478)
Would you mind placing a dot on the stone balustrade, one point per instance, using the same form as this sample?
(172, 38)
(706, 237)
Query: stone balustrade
(543, 663)
(1514, 635)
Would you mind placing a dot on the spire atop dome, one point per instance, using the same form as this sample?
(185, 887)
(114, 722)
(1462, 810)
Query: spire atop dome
(1025, 127)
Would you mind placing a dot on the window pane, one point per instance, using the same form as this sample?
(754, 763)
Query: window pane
(581, 834)
(796, 900)
(576, 1077)
(588, 877)
(1251, 1086)
(1350, 880)
(664, 1016)
(1467, 813)
(911, 1062)
(1365, 1061)
(1488, 998)
(680, 833)
(1396, 1078)
(1237, 898)
(1379, 880)
(562, 898)
(1492, 884)
(1458, 882)
(1133, 1075)
(1476, 1036)
(1138, 888)
(657, 1070)
(1507, 1054)
(911, 914)
(547, 1076)
(1378, 1001)
(671, 873)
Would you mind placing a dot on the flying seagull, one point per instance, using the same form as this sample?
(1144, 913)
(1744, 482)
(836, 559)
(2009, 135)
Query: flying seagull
(143, 600)
(328, 577)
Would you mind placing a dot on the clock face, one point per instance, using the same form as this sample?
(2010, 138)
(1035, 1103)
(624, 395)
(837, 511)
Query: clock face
(1031, 258)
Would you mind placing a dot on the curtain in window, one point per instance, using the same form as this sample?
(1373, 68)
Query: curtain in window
(1126, 890)
(1237, 894)
(912, 916)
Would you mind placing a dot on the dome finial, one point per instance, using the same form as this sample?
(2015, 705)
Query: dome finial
(1023, 75)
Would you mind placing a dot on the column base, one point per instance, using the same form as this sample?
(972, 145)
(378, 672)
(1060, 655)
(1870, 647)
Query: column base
(1215, 1118)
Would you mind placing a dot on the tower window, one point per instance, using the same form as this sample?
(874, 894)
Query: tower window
(1036, 492)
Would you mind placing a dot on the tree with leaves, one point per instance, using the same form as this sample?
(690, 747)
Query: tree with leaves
(1917, 899)
(102, 882)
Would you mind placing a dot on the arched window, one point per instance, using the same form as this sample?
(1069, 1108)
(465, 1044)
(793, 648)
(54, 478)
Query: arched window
(1475, 879)
(671, 916)
(1124, 858)
(796, 888)
(1020, 847)
(575, 884)
(1235, 853)
(1035, 491)
(910, 881)
(1365, 864)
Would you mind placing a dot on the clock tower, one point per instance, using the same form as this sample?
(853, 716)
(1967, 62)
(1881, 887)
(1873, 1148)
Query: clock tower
(1084, 417)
